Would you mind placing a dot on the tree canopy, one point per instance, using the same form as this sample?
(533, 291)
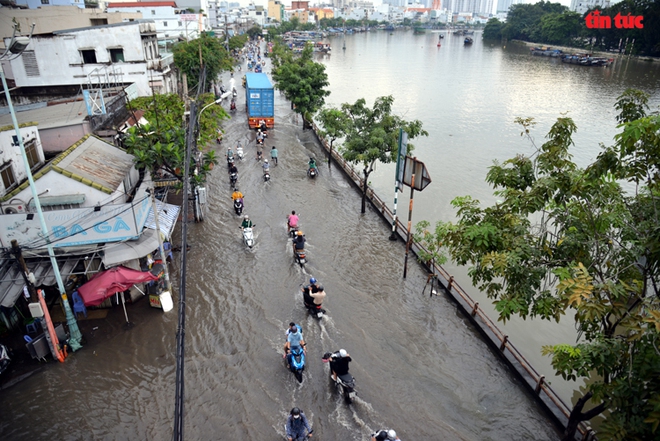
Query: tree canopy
(205, 51)
(372, 135)
(159, 146)
(302, 80)
(564, 238)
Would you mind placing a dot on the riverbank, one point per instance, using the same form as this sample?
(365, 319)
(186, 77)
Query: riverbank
(574, 50)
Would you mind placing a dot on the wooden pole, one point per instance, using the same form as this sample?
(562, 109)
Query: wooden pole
(410, 208)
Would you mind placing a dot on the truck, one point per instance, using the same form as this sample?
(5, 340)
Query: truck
(260, 100)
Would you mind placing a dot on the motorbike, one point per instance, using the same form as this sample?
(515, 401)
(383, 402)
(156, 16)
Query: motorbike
(300, 256)
(230, 162)
(239, 153)
(296, 361)
(346, 383)
(315, 310)
(4, 358)
(234, 94)
(233, 177)
(232, 106)
(248, 237)
(266, 176)
(293, 231)
(312, 172)
(238, 206)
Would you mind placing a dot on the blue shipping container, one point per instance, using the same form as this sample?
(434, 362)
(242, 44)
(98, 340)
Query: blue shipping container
(260, 99)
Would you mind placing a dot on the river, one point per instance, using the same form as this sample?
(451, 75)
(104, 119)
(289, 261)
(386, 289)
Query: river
(420, 367)
(468, 98)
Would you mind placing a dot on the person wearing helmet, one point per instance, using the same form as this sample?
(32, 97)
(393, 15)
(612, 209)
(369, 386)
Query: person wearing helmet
(291, 327)
(297, 426)
(236, 194)
(247, 223)
(299, 241)
(339, 363)
(384, 435)
(294, 340)
(313, 294)
(312, 163)
(292, 221)
(266, 166)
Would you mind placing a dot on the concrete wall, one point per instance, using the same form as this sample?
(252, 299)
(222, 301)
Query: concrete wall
(34, 4)
(58, 139)
(10, 153)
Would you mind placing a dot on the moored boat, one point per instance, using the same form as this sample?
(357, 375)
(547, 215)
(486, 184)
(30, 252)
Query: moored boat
(587, 60)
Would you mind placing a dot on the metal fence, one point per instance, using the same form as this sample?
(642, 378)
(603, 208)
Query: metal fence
(545, 395)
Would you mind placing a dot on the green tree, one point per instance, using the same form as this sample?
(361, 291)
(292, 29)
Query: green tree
(160, 145)
(564, 239)
(493, 30)
(237, 42)
(373, 135)
(561, 28)
(334, 125)
(302, 80)
(254, 32)
(206, 51)
(523, 21)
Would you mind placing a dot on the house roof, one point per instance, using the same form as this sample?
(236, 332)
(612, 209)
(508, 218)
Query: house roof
(91, 161)
(59, 115)
(418, 9)
(140, 4)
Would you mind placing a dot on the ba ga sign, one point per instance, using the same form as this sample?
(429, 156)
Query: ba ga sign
(80, 226)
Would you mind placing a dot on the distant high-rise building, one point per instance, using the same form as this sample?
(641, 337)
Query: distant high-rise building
(504, 5)
(582, 6)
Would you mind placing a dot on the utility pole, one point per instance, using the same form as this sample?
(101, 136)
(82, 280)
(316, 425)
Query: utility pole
(29, 281)
(226, 34)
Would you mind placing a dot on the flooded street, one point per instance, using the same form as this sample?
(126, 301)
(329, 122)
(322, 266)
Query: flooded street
(420, 367)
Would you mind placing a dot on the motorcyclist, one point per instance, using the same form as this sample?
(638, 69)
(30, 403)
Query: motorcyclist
(232, 168)
(236, 194)
(384, 435)
(292, 221)
(297, 426)
(294, 340)
(230, 154)
(260, 136)
(299, 241)
(291, 326)
(232, 106)
(247, 223)
(312, 163)
(339, 363)
(266, 166)
(313, 294)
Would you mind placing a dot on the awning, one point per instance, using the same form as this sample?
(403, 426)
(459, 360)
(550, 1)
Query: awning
(167, 216)
(65, 199)
(12, 283)
(134, 249)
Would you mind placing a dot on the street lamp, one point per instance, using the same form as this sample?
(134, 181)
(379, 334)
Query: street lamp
(16, 47)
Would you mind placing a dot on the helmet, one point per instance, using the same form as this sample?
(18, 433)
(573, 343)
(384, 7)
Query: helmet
(391, 434)
(266, 161)
(295, 411)
(247, 217)
(312, 280)
(235, 188)
(343, 353)
(299, 233)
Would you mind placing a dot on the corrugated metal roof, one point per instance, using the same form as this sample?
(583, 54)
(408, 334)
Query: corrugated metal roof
(257, 81)
(96, 161)
(167, 216)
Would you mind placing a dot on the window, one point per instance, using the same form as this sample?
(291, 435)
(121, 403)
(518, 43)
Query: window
(117, 55)
(32, 154)
(153, 12)
(45, 2)
(88, 56)
(7, 174)
(99, 21)
(164, 23)
(180, 23)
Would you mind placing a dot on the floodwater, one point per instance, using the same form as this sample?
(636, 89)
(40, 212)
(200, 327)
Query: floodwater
(420, 367)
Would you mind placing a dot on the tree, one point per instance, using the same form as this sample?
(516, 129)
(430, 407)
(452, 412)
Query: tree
(206, 51)
(159, 146)
(570, 239)
(254, 32)
(302, 80)
(561, 28)
(372, 135)
(334, 125)
(237, 42)
(493, 30)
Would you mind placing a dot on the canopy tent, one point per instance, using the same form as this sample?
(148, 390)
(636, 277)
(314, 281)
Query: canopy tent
(109, 282)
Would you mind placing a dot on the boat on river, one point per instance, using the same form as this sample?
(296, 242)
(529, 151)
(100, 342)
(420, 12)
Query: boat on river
(468, 40)
(587, 60)
(546, 51)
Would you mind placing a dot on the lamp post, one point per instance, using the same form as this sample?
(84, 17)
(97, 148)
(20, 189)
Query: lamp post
(16, 47)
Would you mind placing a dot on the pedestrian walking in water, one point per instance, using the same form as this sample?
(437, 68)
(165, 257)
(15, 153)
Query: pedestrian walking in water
(273, 155)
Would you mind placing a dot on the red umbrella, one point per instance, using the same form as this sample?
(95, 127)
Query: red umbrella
(112, 281)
